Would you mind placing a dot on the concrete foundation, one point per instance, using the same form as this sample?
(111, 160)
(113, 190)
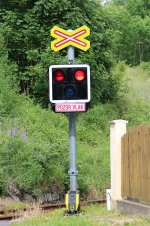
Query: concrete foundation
(130, 207)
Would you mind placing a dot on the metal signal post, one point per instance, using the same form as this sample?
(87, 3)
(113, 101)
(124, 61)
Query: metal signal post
(69, 89)
(72, 135)
(72, 197)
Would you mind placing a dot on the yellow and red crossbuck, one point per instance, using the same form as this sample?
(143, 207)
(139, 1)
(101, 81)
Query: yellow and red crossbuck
(66, 38)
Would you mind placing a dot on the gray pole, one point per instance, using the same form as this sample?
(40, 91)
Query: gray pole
(72, 136)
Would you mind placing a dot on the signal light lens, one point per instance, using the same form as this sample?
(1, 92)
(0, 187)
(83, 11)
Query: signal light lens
(59, 76)
(79, 75)
(69, 92)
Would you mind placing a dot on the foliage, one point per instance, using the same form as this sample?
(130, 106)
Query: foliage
(139, 8)
(27, 28)
(136, 105)
(145, 66)
(119, 31)
(138, 113)
(34, 150)
(7, 205)
(30, 140)
(34, 142)
(130, 33)
(8, 89)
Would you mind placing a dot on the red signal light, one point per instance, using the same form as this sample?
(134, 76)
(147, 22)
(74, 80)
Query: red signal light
(59, 76)
(79, 75)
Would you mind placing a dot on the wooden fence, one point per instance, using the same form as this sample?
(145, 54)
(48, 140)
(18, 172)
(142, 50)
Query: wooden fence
(135, 164)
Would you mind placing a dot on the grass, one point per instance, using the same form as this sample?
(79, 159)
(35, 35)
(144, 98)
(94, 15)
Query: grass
(7, 205)
(93, 215)
(138, 81)
(138, 96)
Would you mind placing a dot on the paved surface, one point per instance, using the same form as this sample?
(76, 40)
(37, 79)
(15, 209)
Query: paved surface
(4, 223)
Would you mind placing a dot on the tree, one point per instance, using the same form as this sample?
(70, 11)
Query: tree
(27, 37)
(8, 89)
(130, 32)
(138, 7)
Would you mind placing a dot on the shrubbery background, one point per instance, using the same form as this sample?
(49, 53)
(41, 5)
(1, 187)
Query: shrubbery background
(34, 141)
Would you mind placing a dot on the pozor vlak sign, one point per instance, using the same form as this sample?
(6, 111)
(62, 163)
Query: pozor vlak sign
(69, 87)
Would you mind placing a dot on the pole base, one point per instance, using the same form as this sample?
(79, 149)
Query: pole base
(72, 202)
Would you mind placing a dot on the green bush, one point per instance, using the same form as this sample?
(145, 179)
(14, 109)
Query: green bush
(137, 112)
(34, 153)
(145, 66)
(34, 143)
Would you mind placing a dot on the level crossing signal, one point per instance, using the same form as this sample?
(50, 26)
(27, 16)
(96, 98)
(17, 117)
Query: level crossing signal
(69, 83)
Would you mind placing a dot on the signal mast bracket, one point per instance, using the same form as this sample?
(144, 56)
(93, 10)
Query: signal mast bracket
(73, 173)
